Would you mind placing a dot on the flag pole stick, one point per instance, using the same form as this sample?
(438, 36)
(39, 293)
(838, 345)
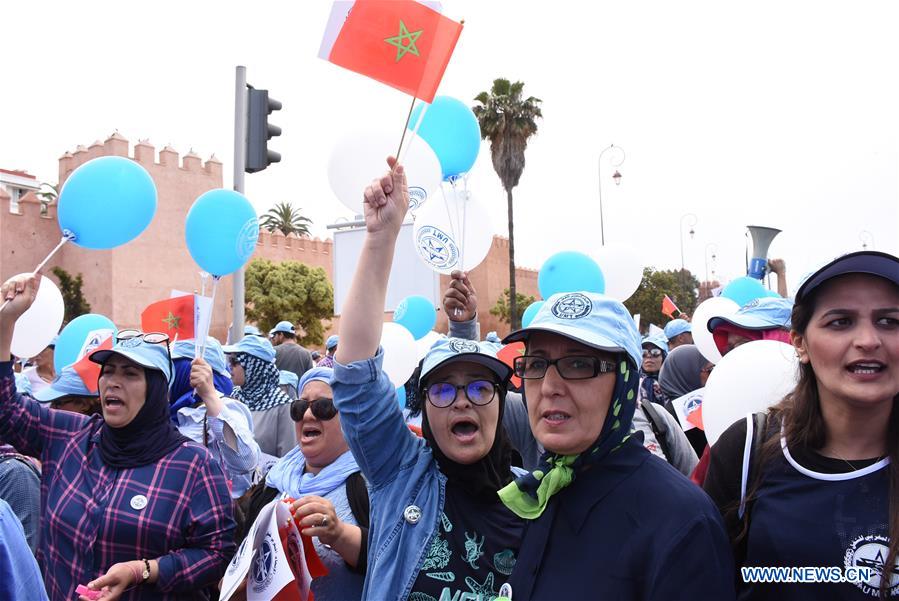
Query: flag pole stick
(405, 126)
(66, 237)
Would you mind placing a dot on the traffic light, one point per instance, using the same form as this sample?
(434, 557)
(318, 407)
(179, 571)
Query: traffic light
(260, 131)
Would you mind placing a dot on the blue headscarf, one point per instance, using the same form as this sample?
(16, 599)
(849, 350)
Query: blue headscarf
(182, 393)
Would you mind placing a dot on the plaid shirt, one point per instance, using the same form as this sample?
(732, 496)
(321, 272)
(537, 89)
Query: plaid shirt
(176, 510)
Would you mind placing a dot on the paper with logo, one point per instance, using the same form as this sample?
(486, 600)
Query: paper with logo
(689, 410)
(402, 43)
(87, 370)
(172, 316)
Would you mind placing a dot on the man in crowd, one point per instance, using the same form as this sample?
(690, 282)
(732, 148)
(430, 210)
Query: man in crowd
(289, 355)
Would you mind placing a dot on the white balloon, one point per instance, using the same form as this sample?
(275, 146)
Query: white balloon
(452, 231)
(358, 158)
(750, 378)
(37, 326)
(424, 344)
(622, 268)
(717, 306)
(399, 353)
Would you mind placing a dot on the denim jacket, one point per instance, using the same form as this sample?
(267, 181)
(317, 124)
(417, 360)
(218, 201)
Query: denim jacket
(407, 491)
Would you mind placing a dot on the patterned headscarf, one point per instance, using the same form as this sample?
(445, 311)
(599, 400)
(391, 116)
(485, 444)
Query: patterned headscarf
(260, 390)
(528, 495)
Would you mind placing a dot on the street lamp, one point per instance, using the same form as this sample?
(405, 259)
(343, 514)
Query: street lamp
(714, 248)
(865, 236)
(691, 218)
(614, 161)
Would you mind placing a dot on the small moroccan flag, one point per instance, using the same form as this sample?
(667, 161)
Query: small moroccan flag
(668, 307)
(173, 316)
(402, 43)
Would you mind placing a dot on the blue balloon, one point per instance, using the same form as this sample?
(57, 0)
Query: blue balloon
(452, 131)
(401, 396)
(107, 202)
(744, 289)
(87, 330)
(417, 314)
(529, 313)
(570, 271)
(772, 294)
(221, 231)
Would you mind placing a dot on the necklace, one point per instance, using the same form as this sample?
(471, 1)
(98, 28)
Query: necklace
(849, 463)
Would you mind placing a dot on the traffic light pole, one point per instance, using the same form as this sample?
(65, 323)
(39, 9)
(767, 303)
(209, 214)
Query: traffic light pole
(240, 154)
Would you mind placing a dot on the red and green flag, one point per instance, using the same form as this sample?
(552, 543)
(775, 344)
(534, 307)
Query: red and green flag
(402, 43)
(668, 307)
(173, 316)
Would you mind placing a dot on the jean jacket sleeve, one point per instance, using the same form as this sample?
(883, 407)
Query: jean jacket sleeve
(372, 421)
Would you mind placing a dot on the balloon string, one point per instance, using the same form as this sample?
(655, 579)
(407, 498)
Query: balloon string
(66, 236)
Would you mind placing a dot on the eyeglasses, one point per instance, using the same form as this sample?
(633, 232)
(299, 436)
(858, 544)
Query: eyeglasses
(652, 352)
(707, 369)
(148, 337)
(575, 367)
(478, 392)
(322, 409)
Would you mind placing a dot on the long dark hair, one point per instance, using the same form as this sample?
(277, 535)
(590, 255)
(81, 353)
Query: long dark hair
(803, 425)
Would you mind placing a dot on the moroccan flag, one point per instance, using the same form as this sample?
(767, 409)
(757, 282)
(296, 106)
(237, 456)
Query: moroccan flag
(401, 43)
(668, 307)
(87, 370)
(173, 316)
(507, 355)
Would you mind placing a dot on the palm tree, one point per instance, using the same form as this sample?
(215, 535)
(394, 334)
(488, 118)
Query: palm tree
(508, 120)
(287, 219)
(47, 195)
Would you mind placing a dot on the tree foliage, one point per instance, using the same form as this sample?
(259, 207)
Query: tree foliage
(680, 286)
(287, 219)
(291, 291)
(508, 120)
(72, 295)
(503, 310)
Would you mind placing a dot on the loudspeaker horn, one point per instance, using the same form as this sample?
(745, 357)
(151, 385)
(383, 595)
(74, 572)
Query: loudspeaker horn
(761, 240)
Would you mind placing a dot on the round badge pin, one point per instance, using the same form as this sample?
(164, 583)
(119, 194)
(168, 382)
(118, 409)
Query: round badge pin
(138, 502)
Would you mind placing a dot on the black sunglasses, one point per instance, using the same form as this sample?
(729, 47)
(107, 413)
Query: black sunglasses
(322, 409)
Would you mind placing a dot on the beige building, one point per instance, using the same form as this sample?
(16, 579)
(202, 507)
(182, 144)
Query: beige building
(120, 282)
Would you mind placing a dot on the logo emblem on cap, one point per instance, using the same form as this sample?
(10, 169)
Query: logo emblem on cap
(572, 306)
(131, 342)
(464, 346)
(753, 303)
(436, 248)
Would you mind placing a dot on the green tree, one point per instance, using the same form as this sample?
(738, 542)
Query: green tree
(681, 286)
(287, 219)
(72, 295)
(508, 121)
(503, 310)
(289, 290)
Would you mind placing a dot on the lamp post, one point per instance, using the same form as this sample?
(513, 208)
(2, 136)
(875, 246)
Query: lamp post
(691, 218)
(714, 248)
(866, 237)
(614, 161)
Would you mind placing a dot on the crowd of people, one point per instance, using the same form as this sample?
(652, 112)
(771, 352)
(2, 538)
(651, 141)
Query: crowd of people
(583, 482)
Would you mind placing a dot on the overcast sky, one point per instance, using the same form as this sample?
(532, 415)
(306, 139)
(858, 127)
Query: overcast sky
(781, 113)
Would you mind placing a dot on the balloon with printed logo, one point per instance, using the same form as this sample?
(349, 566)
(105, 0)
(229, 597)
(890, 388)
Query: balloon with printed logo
(79, 337)
(570, 271)
(36, 327)
(453, 230)
(750, 378)
(221, 231)
(622, 270)
(399, 353)
(528, 316)
(744, 289)
(417, 314)
(451, 129)
(358, 157)
(717, 306)
(106, 202)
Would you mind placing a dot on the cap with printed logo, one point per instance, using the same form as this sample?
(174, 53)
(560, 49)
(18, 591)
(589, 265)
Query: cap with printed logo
(449, 350)
(764, 313)
(252, 345)
(67, 383)
(149, 355)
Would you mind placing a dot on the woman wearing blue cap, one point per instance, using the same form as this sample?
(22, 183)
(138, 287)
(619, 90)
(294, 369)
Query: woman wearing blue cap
(815, 480)
(129, 501)
(438, 529)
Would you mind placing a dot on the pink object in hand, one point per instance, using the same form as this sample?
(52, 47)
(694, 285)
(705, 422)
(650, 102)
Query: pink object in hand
(90, 594)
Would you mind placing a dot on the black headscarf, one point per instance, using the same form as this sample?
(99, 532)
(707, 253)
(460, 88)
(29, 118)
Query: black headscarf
(149, 437)
(484, 477)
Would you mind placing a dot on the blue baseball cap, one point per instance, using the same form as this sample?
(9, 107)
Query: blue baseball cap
(137, 350)
(283, 326)
(251, 331)
(765, 313)
(213, 355)
(68, 382)
(288, 378)
(593, 319)
(657, 340)
(676, 327)
(332, 342)
(252, 345)
(450, 350)
(869, 262)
